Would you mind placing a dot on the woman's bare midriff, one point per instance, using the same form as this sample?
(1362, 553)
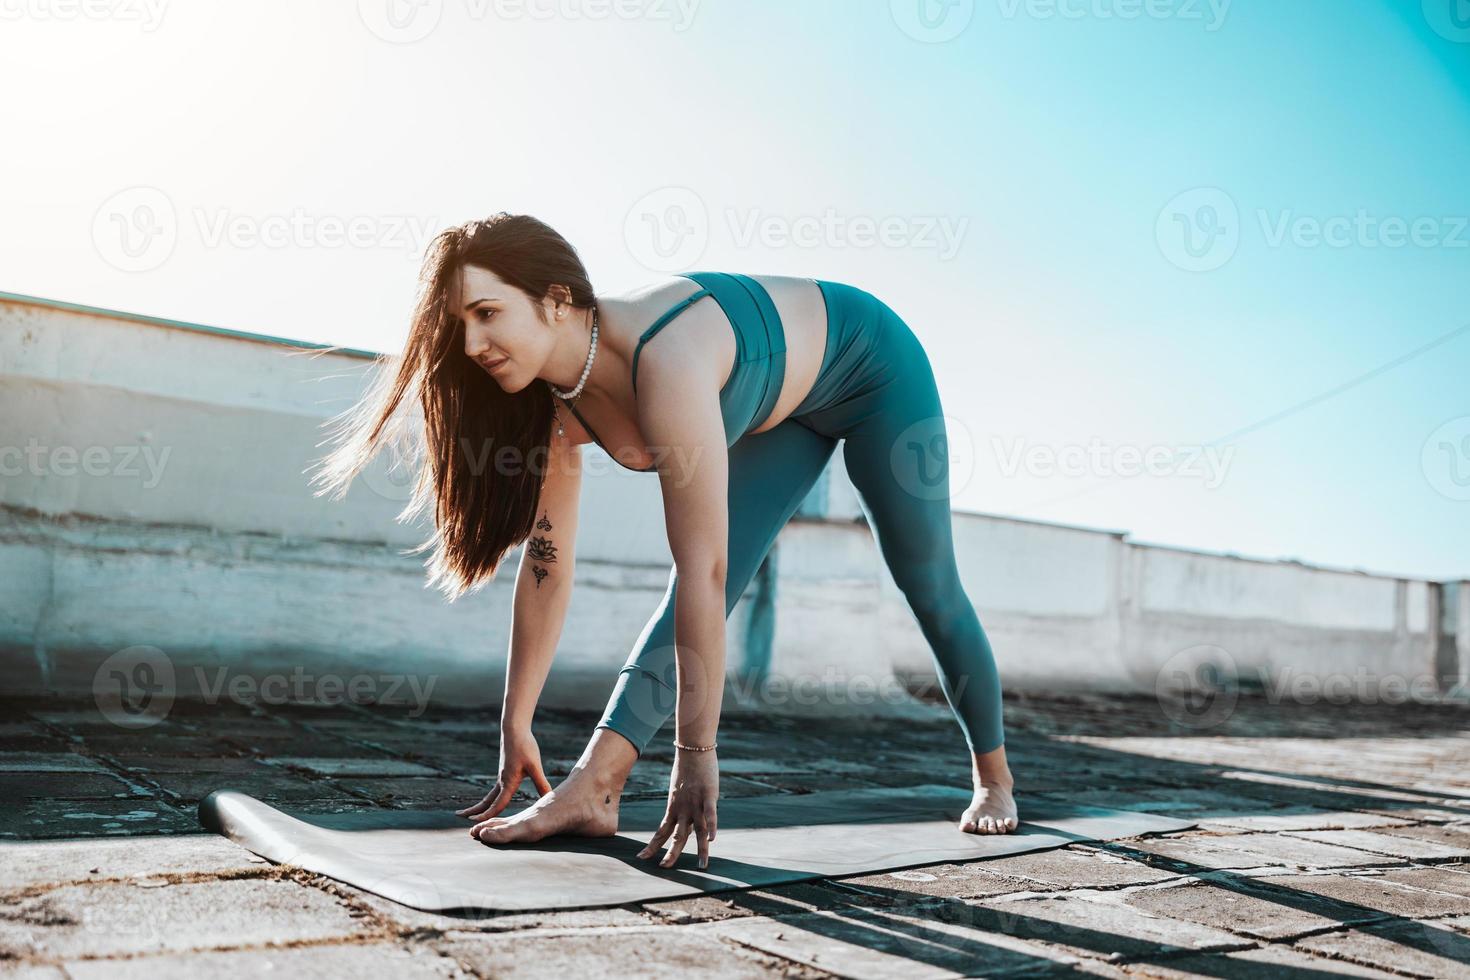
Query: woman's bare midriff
(803, 314)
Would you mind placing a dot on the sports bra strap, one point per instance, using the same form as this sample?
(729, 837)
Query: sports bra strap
(658, 325)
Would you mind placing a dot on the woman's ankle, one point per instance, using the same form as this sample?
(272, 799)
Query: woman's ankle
(990, 769)
(607, 762)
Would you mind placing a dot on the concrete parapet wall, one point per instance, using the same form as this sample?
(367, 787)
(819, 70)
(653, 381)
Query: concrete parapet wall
(153, 492)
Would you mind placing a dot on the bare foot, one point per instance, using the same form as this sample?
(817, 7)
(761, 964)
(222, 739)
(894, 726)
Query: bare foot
(992, 811)
(580, 806)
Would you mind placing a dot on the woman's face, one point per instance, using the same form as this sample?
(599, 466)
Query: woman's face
(502, 332)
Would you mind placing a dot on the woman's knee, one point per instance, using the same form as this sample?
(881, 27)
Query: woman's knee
(933, 590)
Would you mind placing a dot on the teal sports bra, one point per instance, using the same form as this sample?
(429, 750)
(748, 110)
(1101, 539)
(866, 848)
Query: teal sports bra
(750, 393)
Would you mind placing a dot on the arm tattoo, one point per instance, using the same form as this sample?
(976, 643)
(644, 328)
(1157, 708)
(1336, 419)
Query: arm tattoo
(540, 548)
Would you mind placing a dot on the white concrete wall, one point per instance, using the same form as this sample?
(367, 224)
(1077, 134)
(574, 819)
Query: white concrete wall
(153, 491)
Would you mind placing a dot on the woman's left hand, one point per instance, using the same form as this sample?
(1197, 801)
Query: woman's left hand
(694, 786)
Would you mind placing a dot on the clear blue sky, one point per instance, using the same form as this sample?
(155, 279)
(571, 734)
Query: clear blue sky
(1133, 192)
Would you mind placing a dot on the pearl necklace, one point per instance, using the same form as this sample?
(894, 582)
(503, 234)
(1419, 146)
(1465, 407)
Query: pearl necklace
(582, 381)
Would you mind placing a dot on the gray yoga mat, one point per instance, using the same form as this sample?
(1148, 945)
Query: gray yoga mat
(428, 860)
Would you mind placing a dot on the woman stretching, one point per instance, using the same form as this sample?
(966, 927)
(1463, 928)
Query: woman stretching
(735, 391)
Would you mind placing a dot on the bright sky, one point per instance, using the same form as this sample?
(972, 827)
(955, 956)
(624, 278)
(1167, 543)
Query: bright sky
(1197, 242)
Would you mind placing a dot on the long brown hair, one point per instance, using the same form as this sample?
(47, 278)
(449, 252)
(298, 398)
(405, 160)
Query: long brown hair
(467, 420)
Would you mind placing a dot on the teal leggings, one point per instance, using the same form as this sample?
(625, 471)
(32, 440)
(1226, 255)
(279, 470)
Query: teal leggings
(876, 393)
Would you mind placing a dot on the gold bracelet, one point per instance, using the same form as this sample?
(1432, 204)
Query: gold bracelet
(694, 748)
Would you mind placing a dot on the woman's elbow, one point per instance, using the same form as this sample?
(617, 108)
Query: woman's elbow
(710, 571)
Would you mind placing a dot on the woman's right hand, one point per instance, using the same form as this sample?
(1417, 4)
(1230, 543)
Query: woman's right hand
(519, 757)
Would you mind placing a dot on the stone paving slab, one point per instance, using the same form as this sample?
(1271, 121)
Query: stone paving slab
(54, 819)
(993, 936)
(287, 742)
(189, 764)
(1390, 844)
(265, 782)
(417, 920)
(38, 762)
(153, 915)
(788, 899)
(1239, 851)
(654, 953)
(327, 960)
(1370, 892)
(1289, 849)
(47, 785)
(1452, 834)
(23, 865)
(418, 793)
(142, 745)
(874, 943)
(1248, 908)
(1304, 818)
(339, 766)
(1251, 964)
(1422, 949)
(1077, 866)
(961, 881)
(1440, 878)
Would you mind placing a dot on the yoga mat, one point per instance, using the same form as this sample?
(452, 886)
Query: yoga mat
(427, 860)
